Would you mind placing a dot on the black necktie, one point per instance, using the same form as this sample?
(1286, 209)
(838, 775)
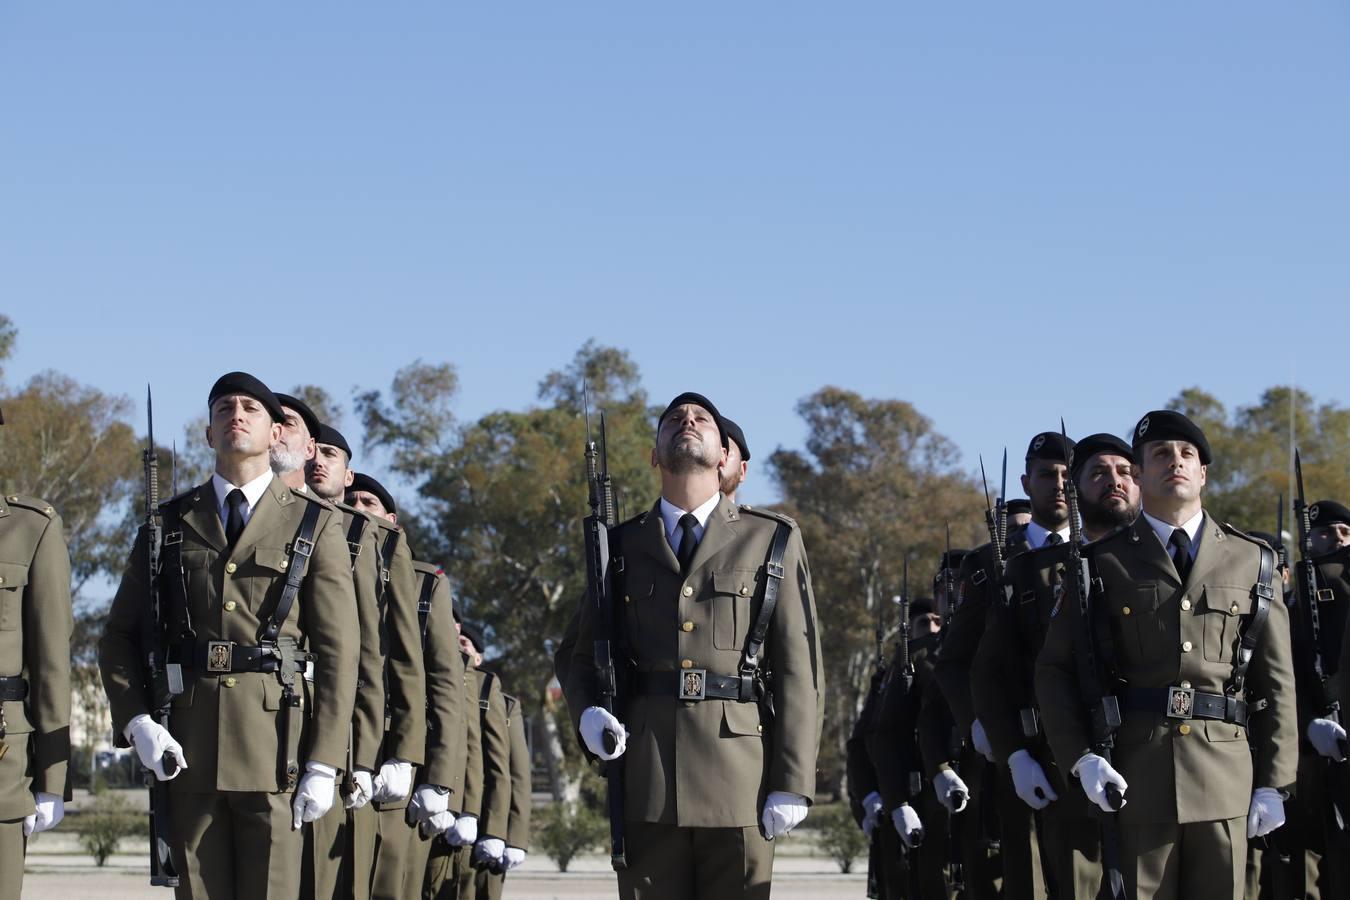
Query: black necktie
(1052, 538)
(688, 542)
(234, 518)
(1181, 552)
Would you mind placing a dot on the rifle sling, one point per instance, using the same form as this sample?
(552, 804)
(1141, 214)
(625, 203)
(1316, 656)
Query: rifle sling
(1254, 625)
(355, 531)
(424, 604)
(773, 570)
(297, 561)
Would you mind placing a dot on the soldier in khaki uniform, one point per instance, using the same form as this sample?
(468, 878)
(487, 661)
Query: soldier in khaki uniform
(1002, 677)
(35, 629)
(518, 818)
(494, 806)
(1177, 592)
(705, 766)
(440, 790)
(404, 740)
(340, 846)
(246, 717)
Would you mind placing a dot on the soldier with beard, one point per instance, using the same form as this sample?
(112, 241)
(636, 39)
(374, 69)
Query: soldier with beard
(1003, 672)
(293, 451)
(738, 458)
(1047, 459)
(711, 778)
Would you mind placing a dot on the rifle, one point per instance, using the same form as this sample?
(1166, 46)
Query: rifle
(1104, 707)
(1280, 549)
(161, 691)
(600, 594)
(956, 872)
(1326, 704)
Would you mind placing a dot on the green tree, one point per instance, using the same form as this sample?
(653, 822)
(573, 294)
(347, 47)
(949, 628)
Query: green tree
(875, 483)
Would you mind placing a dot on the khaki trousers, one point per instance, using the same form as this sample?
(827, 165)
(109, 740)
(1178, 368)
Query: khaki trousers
(12, 847)
(332, 871)
(392, 879)
(234, 844)
(1072, 849)
(1019, 841)
(667, 862)
(1196, 861)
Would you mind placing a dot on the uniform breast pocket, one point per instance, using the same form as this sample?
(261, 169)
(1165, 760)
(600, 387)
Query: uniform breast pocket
(733, 590)
(1224, 607)
(13, 579)
(1142, 634)
(269, 570)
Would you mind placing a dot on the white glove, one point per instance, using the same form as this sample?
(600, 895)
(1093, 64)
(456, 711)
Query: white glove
(1326, 736)
(594, 723)
(951, 790)
(48, 811)
(463, 832)
(362, 790)
(394, 782)
(314, 796)
(981, 741)
(1029, 781)
(871, 812)
(783, 811)
(427, 801)
(489, 848)
(152, 741)
(1266, 813)
(1095, 773)
(908, 825)
(514, 858)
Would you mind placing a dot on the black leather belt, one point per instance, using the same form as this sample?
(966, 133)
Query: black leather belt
(1186, 703)
(227, 658)
(13, 687)
(696, 684)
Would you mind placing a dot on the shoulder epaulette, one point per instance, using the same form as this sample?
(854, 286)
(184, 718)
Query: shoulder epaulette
(312, 498)
(769, 514)
(426, 568)
(32, 503)
(1238, 532)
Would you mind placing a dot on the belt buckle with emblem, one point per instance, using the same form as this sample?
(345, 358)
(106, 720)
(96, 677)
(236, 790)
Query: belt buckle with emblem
(1180, 702)
(693, 684)
(219, 656)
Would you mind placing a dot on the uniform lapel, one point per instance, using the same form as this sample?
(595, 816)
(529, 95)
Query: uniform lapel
(1210, 552)
(651, 539)
(721, 530)
(203, 517)
(1151, 551)
(267, 516)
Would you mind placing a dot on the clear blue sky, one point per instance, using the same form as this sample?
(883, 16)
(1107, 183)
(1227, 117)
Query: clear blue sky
(1000, 212)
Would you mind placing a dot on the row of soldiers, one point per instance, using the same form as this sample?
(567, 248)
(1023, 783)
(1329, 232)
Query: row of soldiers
(1169, 730)
(302, 687)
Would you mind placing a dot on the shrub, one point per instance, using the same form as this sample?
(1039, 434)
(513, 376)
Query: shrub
(565, 831)
(841, 838)
(105, 823)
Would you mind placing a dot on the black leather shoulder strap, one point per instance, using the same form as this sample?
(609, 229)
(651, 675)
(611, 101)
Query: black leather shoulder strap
(1255, 624)
(424, 603)
(297, 561)
(354, 533)
(773, 571)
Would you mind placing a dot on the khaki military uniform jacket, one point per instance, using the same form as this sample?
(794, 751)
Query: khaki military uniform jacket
(1166, 633)
(368, 715)
(405, 712)
(710, 763)
(522, 789)
(230, 725)
(35, 629)
(446, 701)
(469, 785)
(495, 808)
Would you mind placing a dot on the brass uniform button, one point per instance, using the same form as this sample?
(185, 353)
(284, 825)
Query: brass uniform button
(686, 664)
(1183, 728)
(688, 591)
(688, 626)
(1186, 647)
(744, 590)
(1125, 611)
(230, 568)
(627, 599)
(2, 579)
(759, 728)
(1185, 685)
(231, 681)
(14, 499)
(230, 605)
(1233, 609)
(1186, 604)
(284, 564)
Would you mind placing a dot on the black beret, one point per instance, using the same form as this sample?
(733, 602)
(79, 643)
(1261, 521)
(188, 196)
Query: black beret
(327, 434)
(697, 400)
(307, 414)
(1328, 512)
(244, 383)
(1170, 425)
(474, 634)
(1017, 506)
(1049, 445)
(733, 432)
(1094, 444)
(921, 607)
(363, 482)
